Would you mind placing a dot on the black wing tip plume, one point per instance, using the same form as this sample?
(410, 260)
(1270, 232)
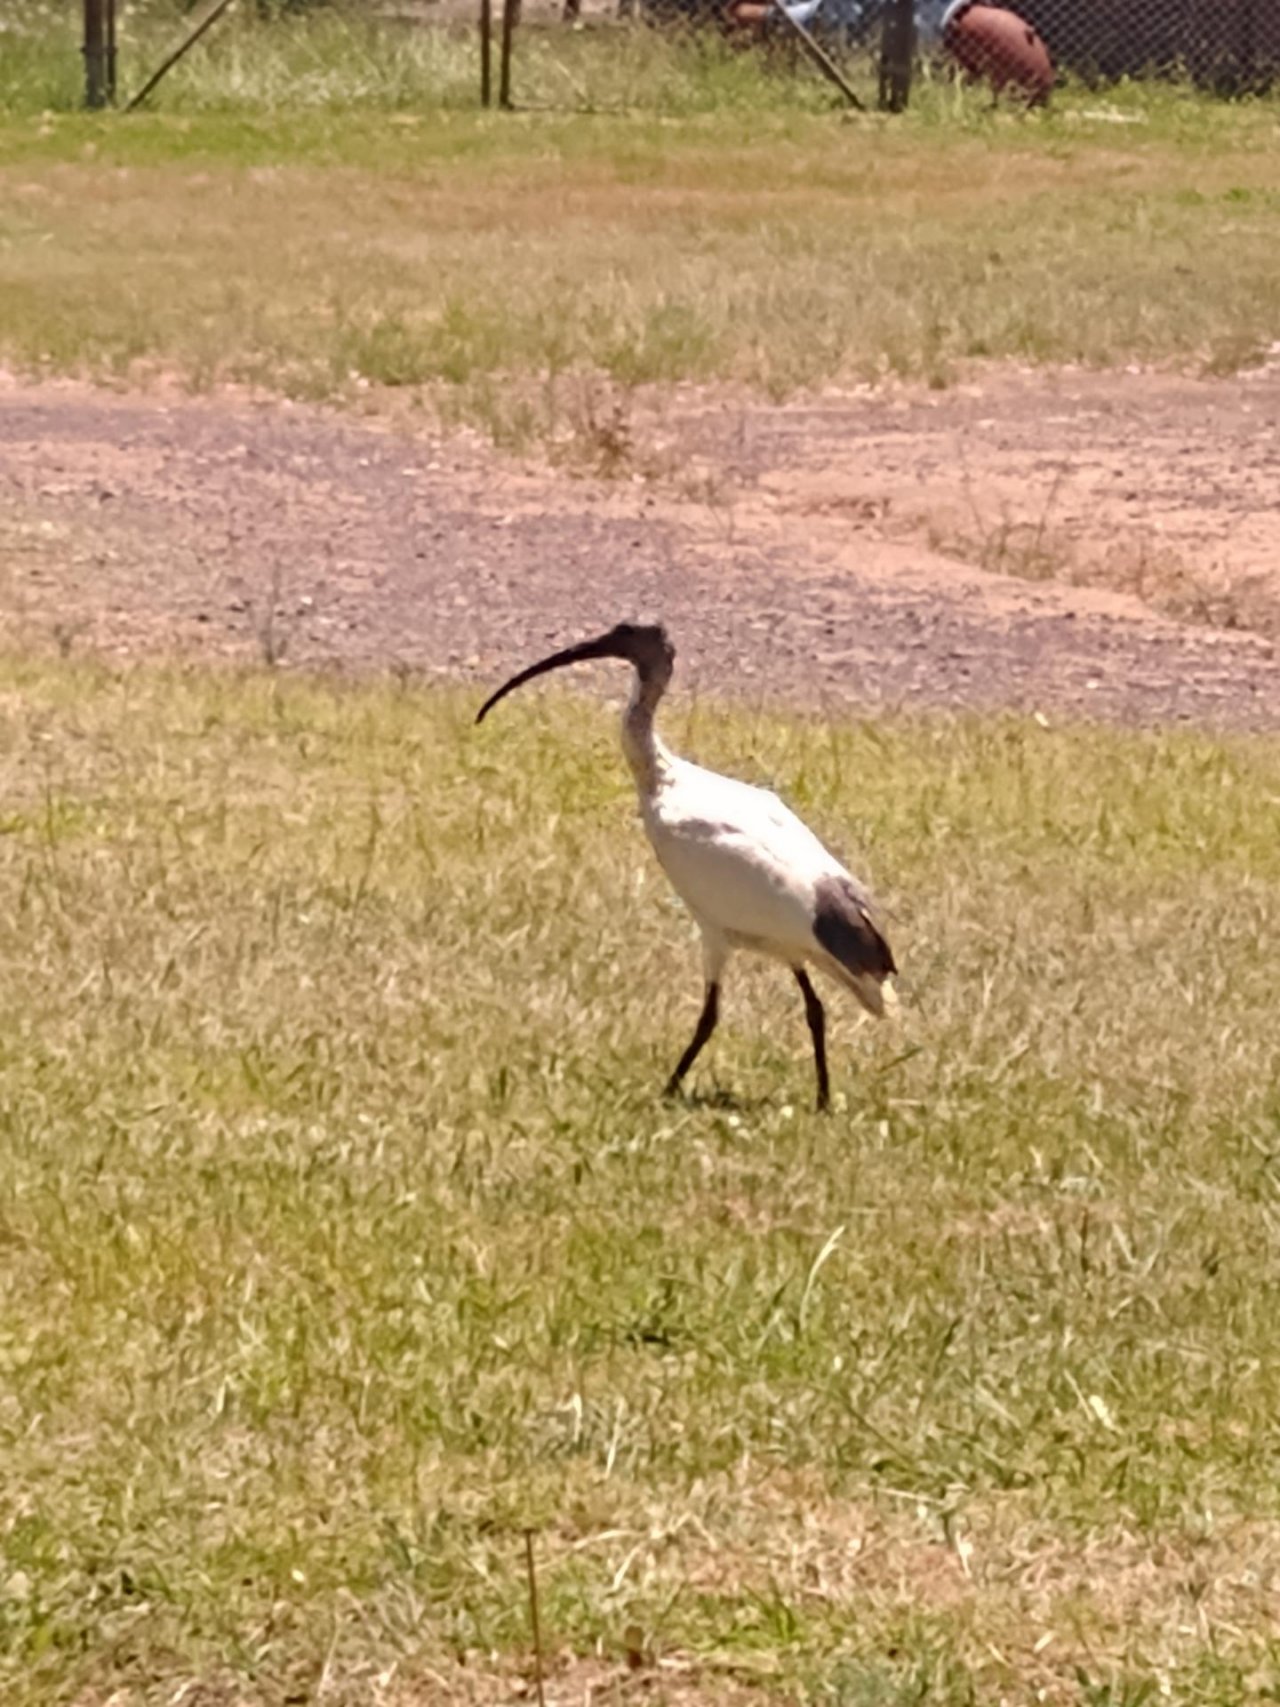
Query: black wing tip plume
(845, 926)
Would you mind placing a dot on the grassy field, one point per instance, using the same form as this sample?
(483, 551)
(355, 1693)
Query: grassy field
(319, 209)
(343, 1234)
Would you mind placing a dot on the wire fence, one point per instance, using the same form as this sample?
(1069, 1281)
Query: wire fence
(860, 53)
(875, 52)
(1232, 46)
(674, 55)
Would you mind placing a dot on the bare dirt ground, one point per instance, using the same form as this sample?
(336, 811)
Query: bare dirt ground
(960, 549)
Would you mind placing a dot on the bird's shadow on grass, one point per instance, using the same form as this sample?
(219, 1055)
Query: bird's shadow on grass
(720, 1102)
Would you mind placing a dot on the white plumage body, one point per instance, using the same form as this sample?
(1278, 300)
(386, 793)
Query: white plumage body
(745, 866)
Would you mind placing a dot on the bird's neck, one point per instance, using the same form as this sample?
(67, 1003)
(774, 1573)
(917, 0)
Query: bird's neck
(649, 759)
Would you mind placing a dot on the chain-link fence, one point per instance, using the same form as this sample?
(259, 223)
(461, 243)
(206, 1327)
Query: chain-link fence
(690, 55)
(864, 53)
(877, 45)
(683, 54)
(876, 51)
(1229, 45)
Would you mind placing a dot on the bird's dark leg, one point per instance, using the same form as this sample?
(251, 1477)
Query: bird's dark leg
(706, 1025)
(817, 1019)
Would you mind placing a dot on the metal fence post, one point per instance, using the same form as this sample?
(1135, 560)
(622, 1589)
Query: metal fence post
(111, 52)
(97, 34)
(183, 47)
(510, 18)
(897, 54)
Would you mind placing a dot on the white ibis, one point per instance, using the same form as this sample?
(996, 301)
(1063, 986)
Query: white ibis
(753, 876)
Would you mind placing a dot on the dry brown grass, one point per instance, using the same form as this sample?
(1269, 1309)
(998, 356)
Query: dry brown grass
(490, 266)
(342, 1237)
(1176, 580)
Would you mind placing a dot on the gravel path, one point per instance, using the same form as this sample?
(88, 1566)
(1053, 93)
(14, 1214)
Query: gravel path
(224, 526)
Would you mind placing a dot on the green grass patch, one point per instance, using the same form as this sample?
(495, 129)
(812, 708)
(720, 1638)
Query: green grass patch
(358, 228)
(343, 1232)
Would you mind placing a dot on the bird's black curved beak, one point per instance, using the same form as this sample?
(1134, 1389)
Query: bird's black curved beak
(607, 646)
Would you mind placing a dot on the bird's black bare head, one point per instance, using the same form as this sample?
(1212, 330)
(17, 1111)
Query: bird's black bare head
(644, 645)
